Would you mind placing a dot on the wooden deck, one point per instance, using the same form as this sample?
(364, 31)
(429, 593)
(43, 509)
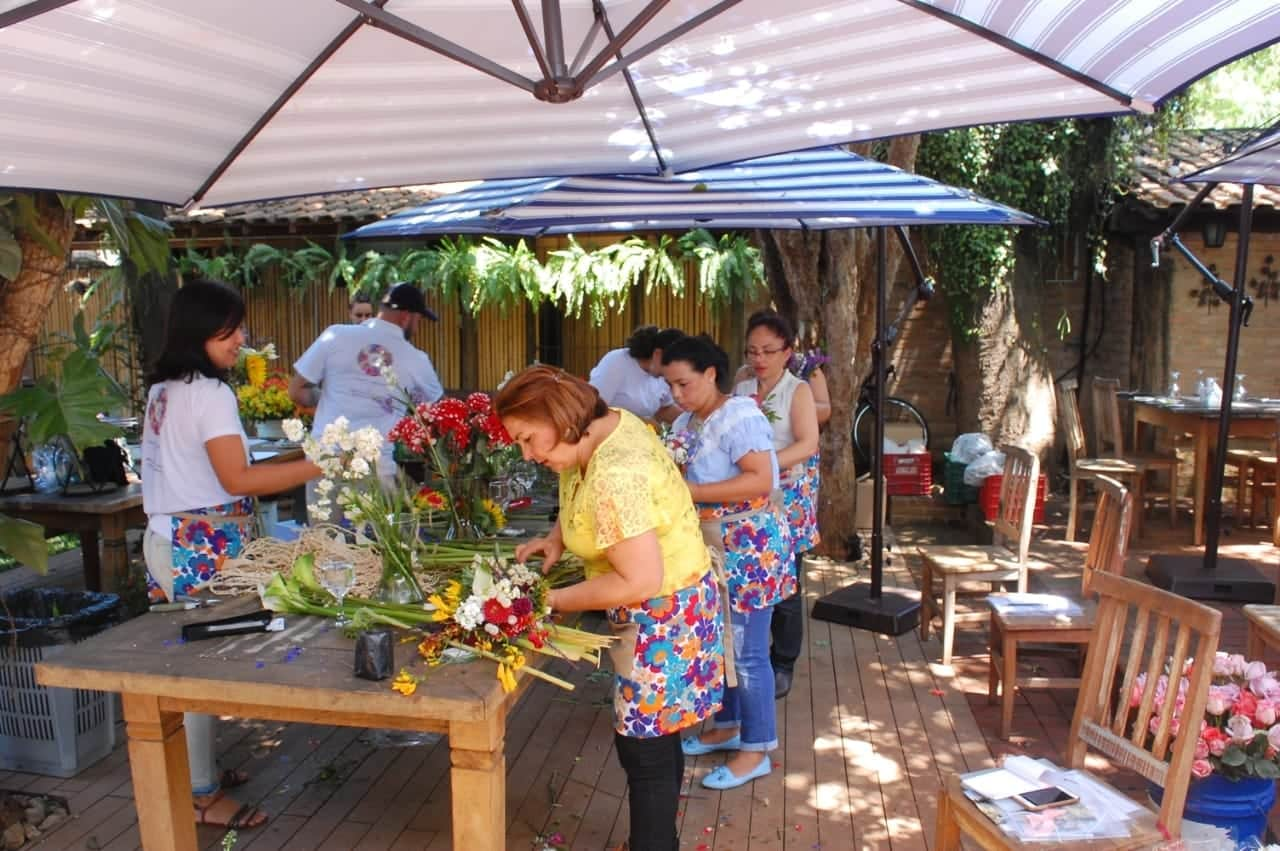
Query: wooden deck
(871, 726)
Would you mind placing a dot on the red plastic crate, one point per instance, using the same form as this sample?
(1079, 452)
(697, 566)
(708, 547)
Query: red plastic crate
(909, 474)
(989, 498)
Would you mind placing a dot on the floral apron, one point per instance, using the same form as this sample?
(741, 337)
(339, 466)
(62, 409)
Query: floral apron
(673, 676)
(202, 540)
(755, 542)
(800, 504)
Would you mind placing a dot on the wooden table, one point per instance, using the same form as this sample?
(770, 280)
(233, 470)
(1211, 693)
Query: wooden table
(159, 679)
(1248, 419)
(107, 514)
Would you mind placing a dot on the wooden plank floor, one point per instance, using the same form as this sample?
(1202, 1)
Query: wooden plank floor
(871, 726)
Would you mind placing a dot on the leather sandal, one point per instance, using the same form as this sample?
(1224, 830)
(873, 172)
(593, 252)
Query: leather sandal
(248, 816)
(231, 778)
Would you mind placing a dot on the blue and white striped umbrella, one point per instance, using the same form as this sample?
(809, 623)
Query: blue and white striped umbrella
(818, 189)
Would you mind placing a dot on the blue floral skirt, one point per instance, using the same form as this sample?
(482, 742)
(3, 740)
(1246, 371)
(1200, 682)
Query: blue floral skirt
(757, 552)
(203, 539)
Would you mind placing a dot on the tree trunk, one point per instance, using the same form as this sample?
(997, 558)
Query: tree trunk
(1005, 381)
(25, 301)
(148, 305)
(828, 278)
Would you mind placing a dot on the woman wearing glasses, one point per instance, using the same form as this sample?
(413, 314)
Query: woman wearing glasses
(732, 470)
(788, 403)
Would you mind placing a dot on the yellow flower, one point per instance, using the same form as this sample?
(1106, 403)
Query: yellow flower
(405, 683)
(507, 677)
(495, 513)
(255, 367)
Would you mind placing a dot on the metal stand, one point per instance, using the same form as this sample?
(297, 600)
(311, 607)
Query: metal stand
(1232, 580)
(864, 605)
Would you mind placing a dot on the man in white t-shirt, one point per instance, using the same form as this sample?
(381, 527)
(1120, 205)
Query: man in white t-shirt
(631, 378)
(340, 374)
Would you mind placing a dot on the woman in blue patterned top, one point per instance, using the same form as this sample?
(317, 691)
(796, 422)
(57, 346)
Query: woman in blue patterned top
(732, 470)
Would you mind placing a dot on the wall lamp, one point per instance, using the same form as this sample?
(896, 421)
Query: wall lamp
(1214, 231)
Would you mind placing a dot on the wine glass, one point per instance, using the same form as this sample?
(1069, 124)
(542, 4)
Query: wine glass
(337, 576)
(500, 493)
(1240, 394)
(1201, 390)
(1175, 391)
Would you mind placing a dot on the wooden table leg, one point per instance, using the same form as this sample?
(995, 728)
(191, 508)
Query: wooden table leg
(479, 781)
(1201, 464)
(161, 775)
(115, 553)
(92, 563)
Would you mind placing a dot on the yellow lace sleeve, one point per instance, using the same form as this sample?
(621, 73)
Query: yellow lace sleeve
(624, 505)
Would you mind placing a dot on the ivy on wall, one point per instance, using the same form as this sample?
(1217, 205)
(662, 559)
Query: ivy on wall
(490, 272)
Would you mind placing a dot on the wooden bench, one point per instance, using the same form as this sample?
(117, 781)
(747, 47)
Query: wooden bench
(1264, 629)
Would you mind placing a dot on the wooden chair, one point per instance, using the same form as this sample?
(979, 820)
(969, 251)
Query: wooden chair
(1005, 560)
(1258, 477)
(1081, 468)
(1109, 443)
(1108, 543)
(1105, 718)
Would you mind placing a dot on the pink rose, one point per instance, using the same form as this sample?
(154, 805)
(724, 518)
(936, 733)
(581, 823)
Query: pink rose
(1202, 749)
(1266, 687)
(1201, 768)
(1246, 704)
(1265, 714)
(1217, 702)
(1255, 671)
(1273, 737)
(1237, 664)
(1221, 664)
(1240, 729)
(1217, 747)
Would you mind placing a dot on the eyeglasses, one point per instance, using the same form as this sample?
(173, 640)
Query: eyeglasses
(759, 353)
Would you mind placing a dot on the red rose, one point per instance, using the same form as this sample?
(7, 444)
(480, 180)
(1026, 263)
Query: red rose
(496, 613)
(1246, 704)
(522, 606)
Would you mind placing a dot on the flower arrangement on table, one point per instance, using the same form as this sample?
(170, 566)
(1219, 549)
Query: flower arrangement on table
(498, 609)
(268, 400)
(465, 445)
(1239, 735)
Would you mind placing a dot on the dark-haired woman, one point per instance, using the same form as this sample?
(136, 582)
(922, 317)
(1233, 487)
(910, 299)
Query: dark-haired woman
(631, 377)
(788, 403)
(198, 488)
(731, 472)
(626, 512)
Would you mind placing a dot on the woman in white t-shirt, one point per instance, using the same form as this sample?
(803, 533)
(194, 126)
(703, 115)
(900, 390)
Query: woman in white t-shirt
(197, 488)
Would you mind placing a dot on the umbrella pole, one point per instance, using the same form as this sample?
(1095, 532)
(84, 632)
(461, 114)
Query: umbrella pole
(864, 604)
(1211, 578)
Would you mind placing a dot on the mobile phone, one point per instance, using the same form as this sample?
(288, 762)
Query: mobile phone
(1043, 799)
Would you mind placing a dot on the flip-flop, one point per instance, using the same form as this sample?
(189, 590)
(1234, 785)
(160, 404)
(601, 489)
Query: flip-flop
(231, 778)
(242, 819)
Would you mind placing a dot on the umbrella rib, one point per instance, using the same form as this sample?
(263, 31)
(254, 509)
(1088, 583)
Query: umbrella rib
(292, 89)
(659, 42)
(553, 37)
(617, 41)
(409, 31)
(587, 41)
(523, 14)
(30, 10)
(602, 17)
(1028, 53)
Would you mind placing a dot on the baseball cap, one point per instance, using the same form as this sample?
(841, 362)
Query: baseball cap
(406, 296)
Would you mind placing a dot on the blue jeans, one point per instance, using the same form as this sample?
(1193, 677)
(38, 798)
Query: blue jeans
(749, 705)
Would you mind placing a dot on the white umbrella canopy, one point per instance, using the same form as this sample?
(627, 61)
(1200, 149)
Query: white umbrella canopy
(220, 102)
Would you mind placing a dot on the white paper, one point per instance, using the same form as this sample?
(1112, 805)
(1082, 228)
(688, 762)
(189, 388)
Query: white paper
(1034, 604)
(1000, 783)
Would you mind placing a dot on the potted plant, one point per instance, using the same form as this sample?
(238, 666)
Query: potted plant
(1238, 748)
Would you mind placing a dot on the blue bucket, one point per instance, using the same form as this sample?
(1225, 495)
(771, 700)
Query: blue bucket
(1240, 806)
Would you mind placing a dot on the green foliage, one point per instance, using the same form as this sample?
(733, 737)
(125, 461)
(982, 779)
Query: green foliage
(24, 542)
(1245, 93)
(66, 402)
(491, 272)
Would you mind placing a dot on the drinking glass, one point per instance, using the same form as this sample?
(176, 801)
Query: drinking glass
(1201, 390)
(1240, 394)
(337, 576)
(1174, 390)
(500, 493)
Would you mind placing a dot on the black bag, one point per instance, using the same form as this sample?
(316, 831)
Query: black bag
(106, 464)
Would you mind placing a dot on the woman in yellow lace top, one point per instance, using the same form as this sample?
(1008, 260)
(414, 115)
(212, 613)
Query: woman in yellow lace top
(625, 510)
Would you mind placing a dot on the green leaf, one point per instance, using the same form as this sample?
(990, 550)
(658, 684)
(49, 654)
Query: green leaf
(1234, 756)
(10, 255)
(1266, 768)
(69, 406)
(29, 223)
(25, 542)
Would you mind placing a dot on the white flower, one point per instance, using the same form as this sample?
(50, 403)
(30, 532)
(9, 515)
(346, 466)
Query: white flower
(323, 487)
(359, 467)
(470, 614)
(1240, 728)
(293, 430)
(492, 629)
(1221, 664)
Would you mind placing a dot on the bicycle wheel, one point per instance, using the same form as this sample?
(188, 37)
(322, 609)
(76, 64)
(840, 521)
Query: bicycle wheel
(902, 422)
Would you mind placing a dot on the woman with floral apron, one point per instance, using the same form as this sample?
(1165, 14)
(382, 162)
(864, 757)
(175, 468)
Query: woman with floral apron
(732, 472)
(788, 403)
(197, 489)
(625, 511)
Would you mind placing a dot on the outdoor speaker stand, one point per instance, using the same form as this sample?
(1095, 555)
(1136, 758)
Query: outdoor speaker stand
(866, 605)
(1210, 578)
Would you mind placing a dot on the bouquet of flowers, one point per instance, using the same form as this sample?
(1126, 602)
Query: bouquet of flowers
(679, 445)
(1239, 735)
(466, 445)
(803, 363)
(267, 399)
(498, 610)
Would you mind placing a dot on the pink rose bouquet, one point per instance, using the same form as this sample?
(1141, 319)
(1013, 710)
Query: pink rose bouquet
(1239, 735)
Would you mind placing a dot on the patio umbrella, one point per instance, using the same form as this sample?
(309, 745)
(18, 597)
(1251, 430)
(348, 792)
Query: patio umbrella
(189, 101)
(819, 190)
(1257, 161)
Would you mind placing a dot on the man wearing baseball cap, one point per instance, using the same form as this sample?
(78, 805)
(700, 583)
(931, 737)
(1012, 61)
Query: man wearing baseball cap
(341, 374)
